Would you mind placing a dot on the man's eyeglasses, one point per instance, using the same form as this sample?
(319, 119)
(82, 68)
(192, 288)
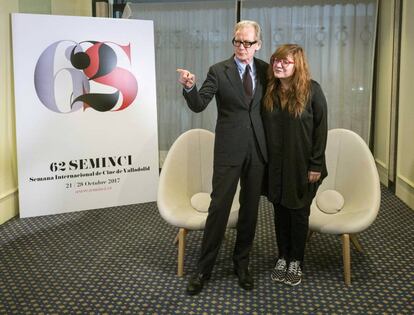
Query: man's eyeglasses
(284, 62)
(246, 44)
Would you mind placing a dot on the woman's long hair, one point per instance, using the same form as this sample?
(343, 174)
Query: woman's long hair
(296, 97)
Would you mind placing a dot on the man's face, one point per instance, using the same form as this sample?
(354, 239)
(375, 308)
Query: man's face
(245, 34)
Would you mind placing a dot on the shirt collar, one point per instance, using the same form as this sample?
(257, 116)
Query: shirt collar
(241, 66)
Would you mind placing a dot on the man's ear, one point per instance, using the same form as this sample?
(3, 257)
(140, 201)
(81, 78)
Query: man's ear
(259, 45)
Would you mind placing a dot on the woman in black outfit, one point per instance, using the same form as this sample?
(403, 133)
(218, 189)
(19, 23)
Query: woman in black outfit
(295, 120)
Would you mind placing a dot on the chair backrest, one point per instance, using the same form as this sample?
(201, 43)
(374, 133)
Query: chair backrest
(188, 170)
(351, 170)
(188, 167)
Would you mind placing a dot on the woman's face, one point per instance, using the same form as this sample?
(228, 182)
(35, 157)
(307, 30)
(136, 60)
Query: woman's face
(283, 68)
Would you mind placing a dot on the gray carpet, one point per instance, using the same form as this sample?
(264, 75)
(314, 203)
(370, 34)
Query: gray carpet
(122, 261)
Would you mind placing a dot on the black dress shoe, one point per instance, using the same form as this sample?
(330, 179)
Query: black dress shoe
(196, 282)
(245, 279)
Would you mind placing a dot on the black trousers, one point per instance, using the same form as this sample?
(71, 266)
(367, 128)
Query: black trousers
(291, 227)
(225, 180)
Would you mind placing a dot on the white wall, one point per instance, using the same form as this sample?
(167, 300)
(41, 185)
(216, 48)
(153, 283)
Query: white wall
(72, 7)
(8, 168)
(8, 172)
(383, 88)
(405, 149)
(405, 129)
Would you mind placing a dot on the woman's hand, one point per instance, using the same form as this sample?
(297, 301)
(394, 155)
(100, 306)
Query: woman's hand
(313, 177)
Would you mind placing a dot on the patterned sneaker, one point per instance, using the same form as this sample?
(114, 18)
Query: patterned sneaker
(294, 273)
(279, 272)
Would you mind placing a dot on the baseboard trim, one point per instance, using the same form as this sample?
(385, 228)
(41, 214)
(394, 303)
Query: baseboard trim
(8, 193)
(405, 191)
(9, 205)
(382, 172)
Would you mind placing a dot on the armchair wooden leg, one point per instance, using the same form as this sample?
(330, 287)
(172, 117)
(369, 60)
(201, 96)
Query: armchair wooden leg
(346, 258)
(175, 242)
(181, 250)
(355, 242)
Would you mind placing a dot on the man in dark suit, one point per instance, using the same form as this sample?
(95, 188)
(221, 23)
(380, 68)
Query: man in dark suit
(239, 151)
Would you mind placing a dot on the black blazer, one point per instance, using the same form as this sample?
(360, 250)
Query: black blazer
(296, 145)
(235, 117)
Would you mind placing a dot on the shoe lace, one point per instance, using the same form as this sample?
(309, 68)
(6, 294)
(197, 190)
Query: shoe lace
(281, 264)
(294, 267)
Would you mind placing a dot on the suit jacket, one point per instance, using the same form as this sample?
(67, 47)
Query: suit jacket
(235, 117)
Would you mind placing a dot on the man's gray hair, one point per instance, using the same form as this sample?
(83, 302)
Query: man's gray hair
(246, 23)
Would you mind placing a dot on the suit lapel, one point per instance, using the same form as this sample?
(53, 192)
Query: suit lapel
(260, 85)
(233, 76)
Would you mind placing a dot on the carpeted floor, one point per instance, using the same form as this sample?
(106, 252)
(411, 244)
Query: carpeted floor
(122, 261)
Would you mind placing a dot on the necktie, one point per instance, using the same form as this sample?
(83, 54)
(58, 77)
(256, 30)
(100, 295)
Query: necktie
(248, 85)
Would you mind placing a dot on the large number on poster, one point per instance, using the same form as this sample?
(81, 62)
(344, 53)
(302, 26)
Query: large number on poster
(89, 61)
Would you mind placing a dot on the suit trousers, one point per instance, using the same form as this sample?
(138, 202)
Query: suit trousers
(225, 180)
(291, 227)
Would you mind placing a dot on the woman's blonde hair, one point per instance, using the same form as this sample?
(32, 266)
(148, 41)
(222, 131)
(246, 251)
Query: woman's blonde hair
(296, 97)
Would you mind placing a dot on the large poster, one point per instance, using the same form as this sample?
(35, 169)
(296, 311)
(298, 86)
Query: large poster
(86, 120)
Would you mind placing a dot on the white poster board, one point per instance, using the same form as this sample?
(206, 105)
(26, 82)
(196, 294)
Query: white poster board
(86, 119)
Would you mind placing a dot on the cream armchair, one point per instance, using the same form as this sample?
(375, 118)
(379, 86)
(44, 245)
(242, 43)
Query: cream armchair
(185, 186)
(348, 200)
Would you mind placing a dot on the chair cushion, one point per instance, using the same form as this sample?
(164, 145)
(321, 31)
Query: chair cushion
(201, 201)
(330, 201)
